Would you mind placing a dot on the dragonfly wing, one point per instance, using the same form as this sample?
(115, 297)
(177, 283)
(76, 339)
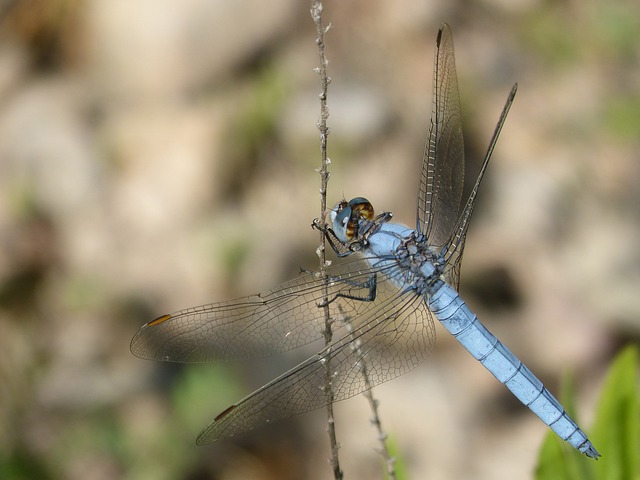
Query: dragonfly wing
(380, 341)
(442, 175)
(276, 320)
(455, 245)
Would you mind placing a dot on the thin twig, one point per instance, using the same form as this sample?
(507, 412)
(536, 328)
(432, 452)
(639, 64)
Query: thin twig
(316, 14)
(389, 460)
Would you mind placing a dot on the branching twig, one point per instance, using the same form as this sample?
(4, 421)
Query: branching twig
(316, 14)
(373, 403)
(389, 460)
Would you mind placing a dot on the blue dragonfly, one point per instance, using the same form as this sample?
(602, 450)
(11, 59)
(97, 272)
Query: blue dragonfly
(382, 305)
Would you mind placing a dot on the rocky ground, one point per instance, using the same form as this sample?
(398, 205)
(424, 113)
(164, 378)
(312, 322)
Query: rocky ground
(156, 155)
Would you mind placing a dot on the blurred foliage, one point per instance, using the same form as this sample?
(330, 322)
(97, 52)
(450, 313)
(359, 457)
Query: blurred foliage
(622, 117)
(400, 465)
(616, 432)
(51, 29)
(198, 394)
(202, 392)
(251, 133)
(233, 254)
(149, 430)
(22, 465)
(105, 440)
(555, 34)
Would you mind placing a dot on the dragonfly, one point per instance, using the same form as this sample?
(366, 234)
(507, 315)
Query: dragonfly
(381, 300)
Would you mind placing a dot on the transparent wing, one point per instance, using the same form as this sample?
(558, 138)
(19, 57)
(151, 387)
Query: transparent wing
(258, 325)
(251, 327)
(442, 175)
(379, 330)
(385, 339)
(455, 245)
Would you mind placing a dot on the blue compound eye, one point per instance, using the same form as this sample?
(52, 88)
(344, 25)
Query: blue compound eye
(346, 216)
(342, 224)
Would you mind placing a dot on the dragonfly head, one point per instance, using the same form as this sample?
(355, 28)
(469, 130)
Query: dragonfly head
(346, 217)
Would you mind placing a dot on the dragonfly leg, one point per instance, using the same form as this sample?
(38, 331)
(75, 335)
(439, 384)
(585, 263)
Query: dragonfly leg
(342, 249)
(370, 285)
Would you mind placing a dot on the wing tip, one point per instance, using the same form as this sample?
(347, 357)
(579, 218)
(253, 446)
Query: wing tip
(444, 28)
(139, 346)
(207, 436)
(440, 32)
(159, 320)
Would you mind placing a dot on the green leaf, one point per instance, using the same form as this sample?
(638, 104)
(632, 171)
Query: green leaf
(616, 429)
(400, 465)
(616, 433)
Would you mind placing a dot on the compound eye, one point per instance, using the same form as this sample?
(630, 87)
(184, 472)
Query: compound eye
(337, 209)
(362, 208)
(342, 224)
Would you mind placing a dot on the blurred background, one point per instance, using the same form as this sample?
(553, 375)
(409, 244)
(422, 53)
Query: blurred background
(156, 155)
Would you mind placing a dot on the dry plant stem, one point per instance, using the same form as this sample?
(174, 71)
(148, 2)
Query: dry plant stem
(389, 461)
(373, 403)
(316, 14)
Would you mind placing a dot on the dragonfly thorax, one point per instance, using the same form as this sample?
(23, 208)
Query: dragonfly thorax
(403, 253)
(425, 263)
